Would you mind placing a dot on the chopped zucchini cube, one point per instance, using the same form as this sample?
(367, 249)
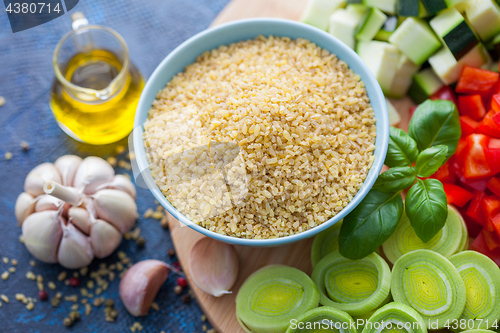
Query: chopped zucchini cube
(402, 80)
(434, 6)
(318, 12)
(344, 23)
(387, 6)
(394, 117)
(459, 5)
(374, 20)
(484, 17)
(408, 8)
(425, 83)
(383, 35)
(416, 40)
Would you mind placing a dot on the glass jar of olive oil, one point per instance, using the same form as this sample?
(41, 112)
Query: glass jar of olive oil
(95, 94)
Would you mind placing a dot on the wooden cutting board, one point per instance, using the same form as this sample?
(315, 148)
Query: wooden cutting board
(221, 311)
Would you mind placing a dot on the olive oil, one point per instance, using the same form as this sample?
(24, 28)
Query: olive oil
(97, 120)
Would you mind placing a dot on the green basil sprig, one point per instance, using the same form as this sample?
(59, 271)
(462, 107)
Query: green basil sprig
(433, 136)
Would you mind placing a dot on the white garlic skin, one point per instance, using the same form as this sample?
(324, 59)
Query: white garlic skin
(116, 207)
(47, 202)
(67, 166)
(104, 238)
(213, 266)
(141, 284)
(25, 206)
(75, 250)
(122, 183)
(36, 178)
(92, 172)
(41, 233)
(80, 217)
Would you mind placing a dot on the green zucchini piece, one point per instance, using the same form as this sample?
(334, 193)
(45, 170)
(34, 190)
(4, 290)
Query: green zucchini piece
(416, 40)
(454, 32)
(408, 8)
(318, 12)
(325, 243)
(382, 59)
(383, 36)
(434, 6)
(482, 283)
(394, 117)
(387, 6)
(431, 285)
(402, 80)
(323, 319)
(344, 23)
(425, 83)
(460, 5)
(484, 17)
(373, 21)
(401, 317)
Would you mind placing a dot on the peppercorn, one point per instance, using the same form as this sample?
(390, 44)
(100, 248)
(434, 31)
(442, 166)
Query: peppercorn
(141, 241)
(171, 252)
(186, 299)
(176, 265)
(42, 295)
(181, 281)
(109, 303)
(74, 281)
(67, 322)
(178, 290)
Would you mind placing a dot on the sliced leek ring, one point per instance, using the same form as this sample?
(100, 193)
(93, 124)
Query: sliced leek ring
(321, 320)
(430, 284)
(482, 283)
(326, 242)
(464, 242)
(356, 287)
(396, 317)
(447, 241)
(272, 296)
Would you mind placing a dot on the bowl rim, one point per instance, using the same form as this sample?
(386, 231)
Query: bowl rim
(371, 85)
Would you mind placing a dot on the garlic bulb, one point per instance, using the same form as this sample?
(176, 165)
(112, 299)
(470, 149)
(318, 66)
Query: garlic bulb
(141, 284)
(65, 218)
(213, 266)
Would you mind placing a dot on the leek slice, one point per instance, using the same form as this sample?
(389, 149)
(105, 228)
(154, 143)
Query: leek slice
(464, 242)
(448, 241)
(354, 286)
(272, 296)
(482, 283)
(430, 284)
(326, 242)
(323, 319)
(396, 317)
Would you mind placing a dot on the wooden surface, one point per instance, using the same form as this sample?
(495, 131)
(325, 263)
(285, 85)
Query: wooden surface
(221, 311)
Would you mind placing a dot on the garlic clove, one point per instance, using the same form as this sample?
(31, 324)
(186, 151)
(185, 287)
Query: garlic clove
(122, 183)
(42, 233)
(25, 205)
(36, 178)
(67, 166)
(80, 217)
(141, 284)
(92, 172)
(75, 250)
(116, 207)
(47, 202)
(213, 266)
(104, 238)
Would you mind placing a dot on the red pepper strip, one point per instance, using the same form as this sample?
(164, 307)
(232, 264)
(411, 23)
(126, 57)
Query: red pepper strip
(494, 143)
(475, 163)
(494, 186)
(495, 102)
(468, 125)
(444, 174)
(472, 106)
(488, 126)
(475, 210)
(476, 80)
(496, 119)
(479, 245)
(491, 206)
(495, 221)
(456, 195)
(491, 239)
(445, 93)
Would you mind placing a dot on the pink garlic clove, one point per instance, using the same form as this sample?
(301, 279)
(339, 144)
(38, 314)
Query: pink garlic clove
(75, 250)
(80, 217)
(141, 284)
(92, 172)
(104, 238)
(47, 202)
(116, 207)
(122, 183)
(25, 205)
(42, 233)
(67, 166)
(33, 184)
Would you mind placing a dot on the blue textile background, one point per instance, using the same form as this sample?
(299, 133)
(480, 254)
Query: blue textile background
(152, 29)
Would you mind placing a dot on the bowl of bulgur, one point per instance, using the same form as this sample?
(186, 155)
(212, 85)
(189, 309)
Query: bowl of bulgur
(261, 132)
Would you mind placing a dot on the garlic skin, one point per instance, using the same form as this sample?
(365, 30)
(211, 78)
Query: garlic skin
(116, 207)
(67, 166)
(25, 206)
(80, 217)
(92, 172)
(47, 202)
(104, 238)
(122, 183)
(213, 266)
(33, 184)
(41, 233)
(141, 284)
(75, 250)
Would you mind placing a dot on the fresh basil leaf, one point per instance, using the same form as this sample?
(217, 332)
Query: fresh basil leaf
(370, 224)
(402, 150)
(436, 123)
(395, 179)
(429, 160)
(426, 207)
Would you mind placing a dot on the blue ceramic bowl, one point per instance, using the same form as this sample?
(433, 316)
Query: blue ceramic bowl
(236, 31)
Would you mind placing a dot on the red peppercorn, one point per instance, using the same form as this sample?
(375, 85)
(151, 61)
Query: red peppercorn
(42, 295)
(74, 282)
(182, 282)
(177, 265)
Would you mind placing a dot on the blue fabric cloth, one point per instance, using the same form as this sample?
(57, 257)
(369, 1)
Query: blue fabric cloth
(152, 29)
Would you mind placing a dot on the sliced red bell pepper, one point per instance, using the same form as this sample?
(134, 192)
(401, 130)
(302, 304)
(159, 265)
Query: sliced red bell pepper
(475, 210)
(491, 239)
(468, 125)
(495, 221)
(444, 174)
(494, 143)
(480, 246)
(459, 157)
(472, 106)
(496, 119)
(456, 195)
(445, 93)
(473, 184)
(475, 163)
(491, 206)
(488, 126)
(493, 158)
(494, 186)
(495, 102)
(476, 80)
